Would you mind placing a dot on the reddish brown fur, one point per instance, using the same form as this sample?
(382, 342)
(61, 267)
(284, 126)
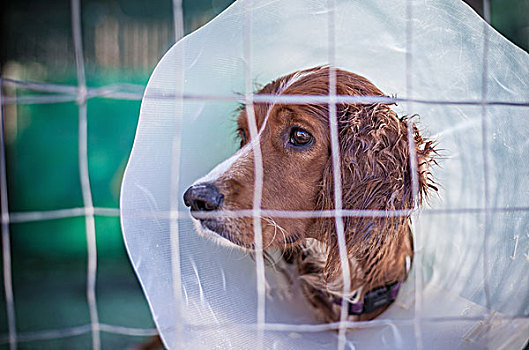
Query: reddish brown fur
(375, 169)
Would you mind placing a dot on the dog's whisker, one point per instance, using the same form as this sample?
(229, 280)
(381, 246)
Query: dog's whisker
(282, 230)
(272, 223)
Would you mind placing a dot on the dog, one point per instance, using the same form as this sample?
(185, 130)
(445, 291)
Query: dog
(297, 175)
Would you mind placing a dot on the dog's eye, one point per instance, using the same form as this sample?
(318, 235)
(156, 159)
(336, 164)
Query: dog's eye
(300, 137)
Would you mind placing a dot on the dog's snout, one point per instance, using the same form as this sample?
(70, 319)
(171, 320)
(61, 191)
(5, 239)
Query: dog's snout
(203, 197)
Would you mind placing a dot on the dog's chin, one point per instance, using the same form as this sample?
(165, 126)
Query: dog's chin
(207, 231)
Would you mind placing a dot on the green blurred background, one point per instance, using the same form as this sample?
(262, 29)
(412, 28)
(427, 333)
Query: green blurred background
(123, 40)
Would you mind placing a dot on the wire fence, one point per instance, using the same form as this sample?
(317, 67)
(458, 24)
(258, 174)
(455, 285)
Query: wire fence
(81, 93)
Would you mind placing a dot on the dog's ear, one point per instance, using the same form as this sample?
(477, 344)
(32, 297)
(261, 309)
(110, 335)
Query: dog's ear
(375, 173)
(426, 157)
(375, 160)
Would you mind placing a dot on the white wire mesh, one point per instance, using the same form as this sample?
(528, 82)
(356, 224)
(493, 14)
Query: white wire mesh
(175, 179)
(485, 153)
(337, 174)
(258, 168)
(413, 52)
(414, 180)
(6, 241)
(79, 94)
(84, 175)
(198, 101)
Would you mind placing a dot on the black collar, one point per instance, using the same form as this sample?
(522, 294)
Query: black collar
(373, 300)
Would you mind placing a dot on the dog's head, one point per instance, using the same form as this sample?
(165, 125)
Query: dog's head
(297, 170)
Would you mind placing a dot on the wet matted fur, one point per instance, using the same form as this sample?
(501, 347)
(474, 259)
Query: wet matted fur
(295, 143)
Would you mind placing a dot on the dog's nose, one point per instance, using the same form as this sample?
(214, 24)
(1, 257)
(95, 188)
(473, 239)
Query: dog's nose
(203, 197)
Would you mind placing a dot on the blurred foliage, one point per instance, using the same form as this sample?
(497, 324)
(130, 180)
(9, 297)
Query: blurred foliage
(122, 42)
(511, 18)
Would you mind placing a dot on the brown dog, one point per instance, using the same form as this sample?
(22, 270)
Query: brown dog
(295, 143)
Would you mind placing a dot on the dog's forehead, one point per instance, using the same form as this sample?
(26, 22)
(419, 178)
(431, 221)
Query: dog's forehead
(277, 87)
(260, 111)
(266, 114)
(312, 82)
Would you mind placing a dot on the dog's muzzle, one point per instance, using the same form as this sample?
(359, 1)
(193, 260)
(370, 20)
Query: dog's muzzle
(203, 197)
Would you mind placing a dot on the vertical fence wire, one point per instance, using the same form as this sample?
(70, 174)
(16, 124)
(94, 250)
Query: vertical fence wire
(178, 20)
(413, 177)
(258, 168)
(84, 174)
(174, 228)
(337, 174)
(485, 154)
(6, 241)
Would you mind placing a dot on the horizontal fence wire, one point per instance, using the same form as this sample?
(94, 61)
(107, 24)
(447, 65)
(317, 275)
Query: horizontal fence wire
(52, 334)
(333, 326)
(135, 92)
(23, 217)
